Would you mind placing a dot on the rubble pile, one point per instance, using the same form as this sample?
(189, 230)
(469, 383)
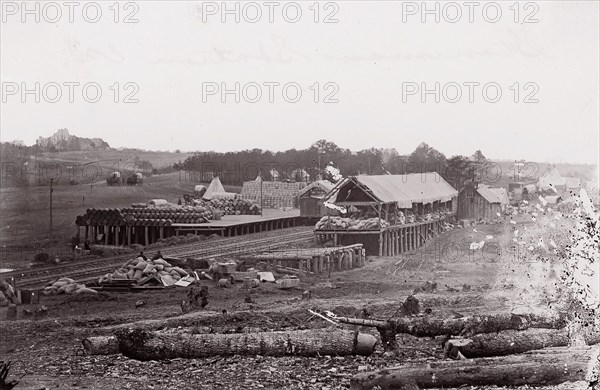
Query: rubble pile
(339, 223)
(138, 269)
(66, 286)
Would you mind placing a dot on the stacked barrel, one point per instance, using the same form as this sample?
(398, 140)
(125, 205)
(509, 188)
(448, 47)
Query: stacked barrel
(235, 206)
(147, 216)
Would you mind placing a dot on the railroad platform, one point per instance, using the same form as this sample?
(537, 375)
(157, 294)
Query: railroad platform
(234, 225)
(227, 226)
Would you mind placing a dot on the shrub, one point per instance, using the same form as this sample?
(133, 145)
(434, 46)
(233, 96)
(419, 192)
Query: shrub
(42, 257)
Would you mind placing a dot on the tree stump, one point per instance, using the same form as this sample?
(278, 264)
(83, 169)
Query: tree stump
(11, 313)
(197, 298)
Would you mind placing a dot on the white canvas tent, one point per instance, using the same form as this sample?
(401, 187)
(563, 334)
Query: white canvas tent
(214, 187)
(551, 179)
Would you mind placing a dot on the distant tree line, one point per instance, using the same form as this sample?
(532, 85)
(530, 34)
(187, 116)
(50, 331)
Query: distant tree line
(233, 168)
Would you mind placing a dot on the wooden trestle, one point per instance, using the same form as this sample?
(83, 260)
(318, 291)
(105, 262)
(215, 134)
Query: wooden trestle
(392, 240)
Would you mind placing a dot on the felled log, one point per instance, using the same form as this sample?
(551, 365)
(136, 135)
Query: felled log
(550, 366)
(143, 345)
(101, 345)
(464, 326)
(512, 342)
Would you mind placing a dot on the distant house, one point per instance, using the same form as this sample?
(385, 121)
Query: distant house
(274, 174)
(573, 184)
(481, 202)
(300, 175)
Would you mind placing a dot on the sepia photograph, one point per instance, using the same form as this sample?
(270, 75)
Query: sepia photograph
(310, 194)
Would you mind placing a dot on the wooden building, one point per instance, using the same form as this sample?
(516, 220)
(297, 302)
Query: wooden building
(310, 199)
(409, 209)
(481, 202)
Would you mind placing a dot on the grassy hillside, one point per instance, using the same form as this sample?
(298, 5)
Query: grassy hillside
(25, 210)
(157, 159)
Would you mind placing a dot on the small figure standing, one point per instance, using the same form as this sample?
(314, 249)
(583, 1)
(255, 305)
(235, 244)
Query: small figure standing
(74, 243)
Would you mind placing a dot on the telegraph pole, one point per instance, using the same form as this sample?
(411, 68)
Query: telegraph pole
(51, 191)
(261, 197)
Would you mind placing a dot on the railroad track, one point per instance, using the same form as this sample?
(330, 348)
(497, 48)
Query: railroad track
(91, 270)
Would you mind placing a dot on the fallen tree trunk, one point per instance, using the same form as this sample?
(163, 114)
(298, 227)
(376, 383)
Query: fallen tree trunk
(512, 342)
(545, 367)
(143, 345)
(101, 345)
(464, 326)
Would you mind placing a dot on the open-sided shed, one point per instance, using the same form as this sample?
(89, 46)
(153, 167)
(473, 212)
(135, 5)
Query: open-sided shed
(386, 196)
(388, 214)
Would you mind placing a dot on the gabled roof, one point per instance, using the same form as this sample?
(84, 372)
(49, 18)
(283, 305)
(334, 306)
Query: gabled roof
(501, 194)
(403, 189)
(488, 194)
(324, 185)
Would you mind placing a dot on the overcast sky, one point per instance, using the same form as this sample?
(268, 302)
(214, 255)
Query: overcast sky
(368, 54)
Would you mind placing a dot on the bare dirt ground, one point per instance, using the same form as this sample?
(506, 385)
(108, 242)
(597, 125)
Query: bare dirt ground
(48, 353)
